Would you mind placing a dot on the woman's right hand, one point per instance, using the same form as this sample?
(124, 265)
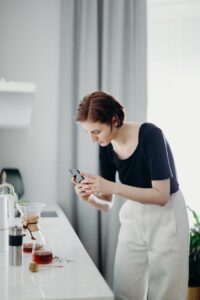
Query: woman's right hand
(85, 196)
(79, 190)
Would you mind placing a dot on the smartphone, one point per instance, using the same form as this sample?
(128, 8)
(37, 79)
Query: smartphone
(76, 174)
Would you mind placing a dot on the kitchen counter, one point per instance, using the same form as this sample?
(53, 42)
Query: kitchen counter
(77, 279)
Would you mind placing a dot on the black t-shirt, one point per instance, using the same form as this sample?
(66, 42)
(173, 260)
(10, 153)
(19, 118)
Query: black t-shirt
(151, 160)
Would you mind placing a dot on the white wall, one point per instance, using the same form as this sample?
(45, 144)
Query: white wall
(174, 80)
(29, 51)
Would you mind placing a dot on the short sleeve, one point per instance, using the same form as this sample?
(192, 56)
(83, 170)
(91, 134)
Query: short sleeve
(157, 154)
(106, 167)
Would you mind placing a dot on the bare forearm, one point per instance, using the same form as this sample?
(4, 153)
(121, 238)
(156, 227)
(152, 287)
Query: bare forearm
(142, 195)
(158, 194)
(102, 203)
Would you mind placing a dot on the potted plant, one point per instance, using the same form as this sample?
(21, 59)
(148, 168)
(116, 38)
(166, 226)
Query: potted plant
(194, 256)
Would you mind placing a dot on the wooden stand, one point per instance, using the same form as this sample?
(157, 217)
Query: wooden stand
(194, 293)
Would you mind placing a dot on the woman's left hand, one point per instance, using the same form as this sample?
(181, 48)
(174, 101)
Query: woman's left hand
(95, 184)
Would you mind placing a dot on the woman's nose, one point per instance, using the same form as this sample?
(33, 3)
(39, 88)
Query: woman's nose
(93, 137)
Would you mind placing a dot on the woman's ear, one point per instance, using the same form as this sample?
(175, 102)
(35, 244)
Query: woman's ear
(115, 122)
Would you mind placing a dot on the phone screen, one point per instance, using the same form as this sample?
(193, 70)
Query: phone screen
(77, 175)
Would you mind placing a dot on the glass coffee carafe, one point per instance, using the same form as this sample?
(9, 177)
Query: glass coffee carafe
(34, 242)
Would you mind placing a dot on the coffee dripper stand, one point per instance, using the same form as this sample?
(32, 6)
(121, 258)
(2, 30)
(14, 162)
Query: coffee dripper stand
(34, 241)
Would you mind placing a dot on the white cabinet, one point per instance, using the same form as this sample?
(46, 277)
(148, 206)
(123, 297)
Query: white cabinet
(16, 101)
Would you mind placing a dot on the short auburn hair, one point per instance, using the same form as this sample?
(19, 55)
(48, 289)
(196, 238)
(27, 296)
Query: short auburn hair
(100, 107)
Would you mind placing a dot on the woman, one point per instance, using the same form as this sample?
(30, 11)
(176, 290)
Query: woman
(153, 244)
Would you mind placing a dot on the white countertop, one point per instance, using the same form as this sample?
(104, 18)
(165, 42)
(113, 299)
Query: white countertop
(78, 279)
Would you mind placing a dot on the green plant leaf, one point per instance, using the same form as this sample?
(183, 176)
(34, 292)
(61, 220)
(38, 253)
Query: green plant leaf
(196, 218)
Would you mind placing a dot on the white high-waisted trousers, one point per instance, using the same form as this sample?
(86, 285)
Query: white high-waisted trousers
(152, 251)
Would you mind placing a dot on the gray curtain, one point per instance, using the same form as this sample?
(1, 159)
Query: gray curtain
(103, 47)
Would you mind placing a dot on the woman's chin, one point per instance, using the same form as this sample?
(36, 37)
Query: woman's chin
(103, 144)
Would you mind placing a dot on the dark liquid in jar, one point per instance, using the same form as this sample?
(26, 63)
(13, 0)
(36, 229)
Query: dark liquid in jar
(42, 257)
(27, 247)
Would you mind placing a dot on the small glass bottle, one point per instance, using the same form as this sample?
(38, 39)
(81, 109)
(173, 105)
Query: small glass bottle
(42, 255)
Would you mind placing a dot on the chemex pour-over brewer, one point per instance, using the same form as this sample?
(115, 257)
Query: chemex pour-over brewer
(34, 241)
